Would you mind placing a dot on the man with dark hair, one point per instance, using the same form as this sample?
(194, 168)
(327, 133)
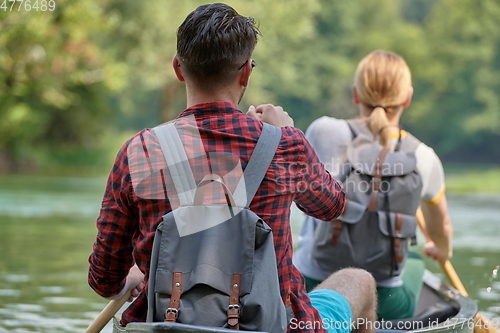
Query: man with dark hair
(214, 50)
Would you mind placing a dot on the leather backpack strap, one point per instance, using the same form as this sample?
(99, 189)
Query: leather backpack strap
(173, 309)
(337, 226)
(377, 179)
(397, 240)
(233, 310)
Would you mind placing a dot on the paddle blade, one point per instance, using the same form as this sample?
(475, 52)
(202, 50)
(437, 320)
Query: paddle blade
(483, 325)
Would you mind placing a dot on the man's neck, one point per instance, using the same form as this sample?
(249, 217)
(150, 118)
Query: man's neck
(198, 97)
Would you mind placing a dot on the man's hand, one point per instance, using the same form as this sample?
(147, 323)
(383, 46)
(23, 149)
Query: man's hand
(134, 283)
(273, 115)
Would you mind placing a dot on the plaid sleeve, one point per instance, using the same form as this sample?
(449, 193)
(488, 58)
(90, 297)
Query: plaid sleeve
(112, 258)
(320, 195)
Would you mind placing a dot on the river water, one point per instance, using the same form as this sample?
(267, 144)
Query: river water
(47, 227)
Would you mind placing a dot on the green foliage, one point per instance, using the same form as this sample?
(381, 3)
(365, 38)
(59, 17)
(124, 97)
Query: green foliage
(346, 32)
(461, 83)
(473, 179)
(53, 78)
(64, 74)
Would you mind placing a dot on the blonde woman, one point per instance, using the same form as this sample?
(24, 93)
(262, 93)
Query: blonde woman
(382, 90)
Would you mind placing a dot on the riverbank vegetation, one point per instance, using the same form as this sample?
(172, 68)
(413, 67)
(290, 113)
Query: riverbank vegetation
(97, 162)
(75, 80)
(473, 179)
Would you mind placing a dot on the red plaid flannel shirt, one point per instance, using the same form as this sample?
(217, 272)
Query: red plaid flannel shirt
(127, 220)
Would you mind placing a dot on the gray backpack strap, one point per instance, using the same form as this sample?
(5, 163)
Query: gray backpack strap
(409, 143)
(261, 159)
(358, 126)
(177, 161)
(152, 274)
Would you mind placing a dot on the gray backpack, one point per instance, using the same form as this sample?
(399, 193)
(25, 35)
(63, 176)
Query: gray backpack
(215, 265)
(383, 191)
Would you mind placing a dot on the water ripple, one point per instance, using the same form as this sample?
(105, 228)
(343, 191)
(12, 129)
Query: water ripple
(475, 219)
(25, 203)
(63, 300)
(10, 292)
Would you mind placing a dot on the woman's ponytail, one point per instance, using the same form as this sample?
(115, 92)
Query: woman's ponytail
(378, 124)
(382, 82)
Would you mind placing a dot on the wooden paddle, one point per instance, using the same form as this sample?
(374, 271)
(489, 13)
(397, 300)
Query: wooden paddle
(481, 324)
(107, 313)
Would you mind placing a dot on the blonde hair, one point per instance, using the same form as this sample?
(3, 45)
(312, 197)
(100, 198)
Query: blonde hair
(382, 82)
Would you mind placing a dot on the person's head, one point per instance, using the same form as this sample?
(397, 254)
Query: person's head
(382, 87)
(213, 44)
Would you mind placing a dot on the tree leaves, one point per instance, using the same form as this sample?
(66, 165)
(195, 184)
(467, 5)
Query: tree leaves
(63, 73)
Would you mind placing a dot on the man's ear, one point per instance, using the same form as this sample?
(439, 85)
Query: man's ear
(177, 68)
(246, 71)
(354, 96)
(407, 102)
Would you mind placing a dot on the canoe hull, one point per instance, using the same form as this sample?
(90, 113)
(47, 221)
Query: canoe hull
(441, 309)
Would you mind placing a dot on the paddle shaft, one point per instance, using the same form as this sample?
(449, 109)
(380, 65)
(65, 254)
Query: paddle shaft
(107, 313)
(481, 323)
(445, 265)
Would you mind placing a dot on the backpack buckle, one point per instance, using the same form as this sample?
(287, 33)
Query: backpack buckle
(376, 181)
(172, 310)
(233, 316)
(234, 306)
